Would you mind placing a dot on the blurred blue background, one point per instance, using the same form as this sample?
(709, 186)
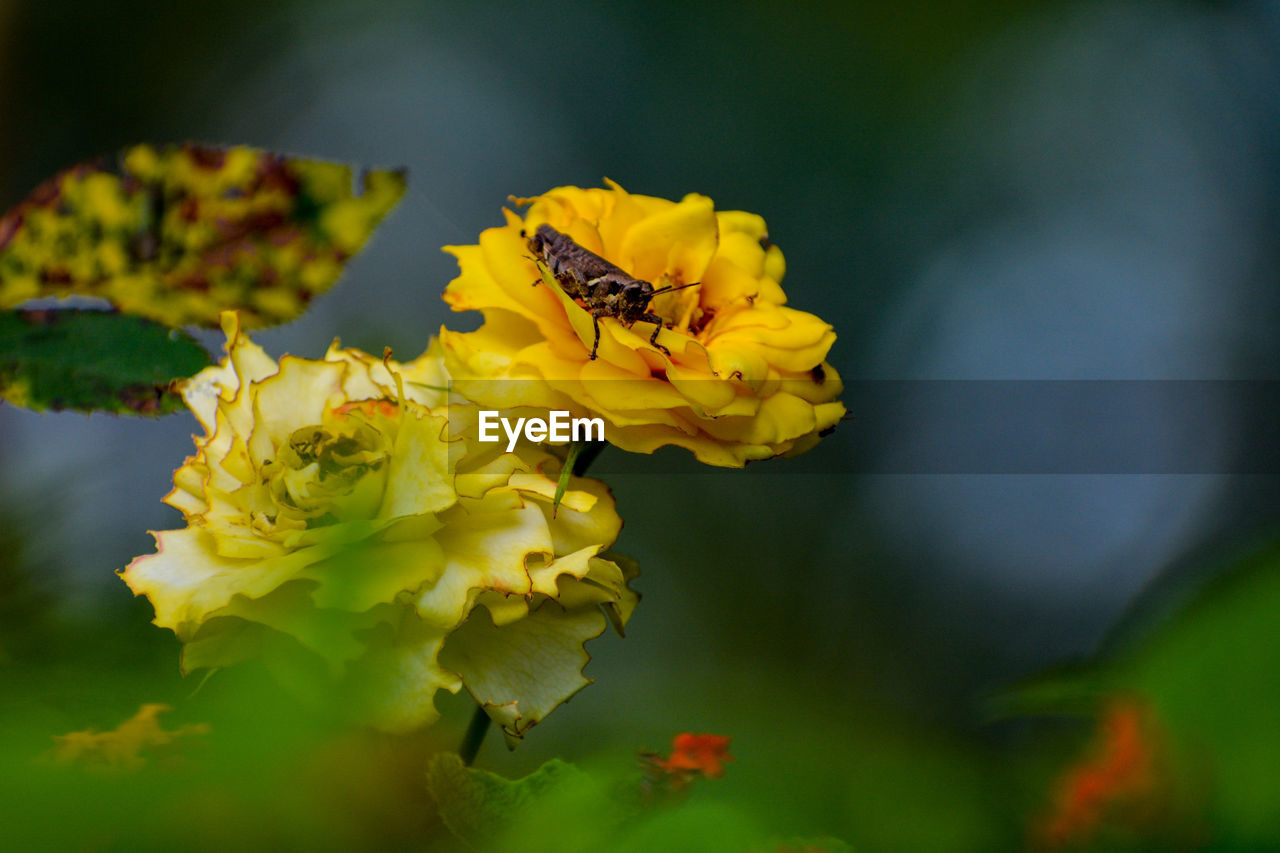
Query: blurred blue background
(965, 190)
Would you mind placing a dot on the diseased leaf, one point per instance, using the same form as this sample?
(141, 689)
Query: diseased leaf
(93, 360)
(178, 234)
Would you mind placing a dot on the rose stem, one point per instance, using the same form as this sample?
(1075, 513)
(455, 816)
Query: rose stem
(587, 456)
(474, 737)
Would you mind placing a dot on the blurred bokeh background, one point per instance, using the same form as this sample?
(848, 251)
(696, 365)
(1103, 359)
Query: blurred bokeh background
(965, 190)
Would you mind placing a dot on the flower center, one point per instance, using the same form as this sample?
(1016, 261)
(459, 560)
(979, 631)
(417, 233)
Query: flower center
(680, 309)
(332, 472)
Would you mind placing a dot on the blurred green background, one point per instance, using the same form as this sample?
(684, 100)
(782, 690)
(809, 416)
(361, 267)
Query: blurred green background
(996, 190)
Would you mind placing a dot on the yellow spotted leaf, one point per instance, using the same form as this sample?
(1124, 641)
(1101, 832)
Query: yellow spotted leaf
(178, 234)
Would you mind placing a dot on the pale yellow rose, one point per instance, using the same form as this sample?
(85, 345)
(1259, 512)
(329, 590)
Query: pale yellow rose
(335, 517)
(744, 376)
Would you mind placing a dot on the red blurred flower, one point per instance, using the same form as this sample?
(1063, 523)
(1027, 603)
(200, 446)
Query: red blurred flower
(1120, 771)
(692, 756)
(700, 754)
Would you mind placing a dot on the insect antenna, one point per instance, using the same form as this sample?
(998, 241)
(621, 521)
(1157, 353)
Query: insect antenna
(668, 288)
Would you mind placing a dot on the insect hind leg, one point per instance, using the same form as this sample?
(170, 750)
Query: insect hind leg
(658, 326)
(596, 314)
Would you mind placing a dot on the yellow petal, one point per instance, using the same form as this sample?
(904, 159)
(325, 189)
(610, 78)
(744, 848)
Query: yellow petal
(678, 242)
(418, 480)
(187, 580)
(484, 551)
(374, 573)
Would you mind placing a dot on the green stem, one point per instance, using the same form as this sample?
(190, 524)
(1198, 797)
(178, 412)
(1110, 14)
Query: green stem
(586, 456)
(476, 731)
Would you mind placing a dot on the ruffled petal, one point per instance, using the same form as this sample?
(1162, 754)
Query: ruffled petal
(549, 642)
(343, 520)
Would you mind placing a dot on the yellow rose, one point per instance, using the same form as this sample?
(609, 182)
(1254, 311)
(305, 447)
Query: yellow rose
(336, 515)
(736, 375)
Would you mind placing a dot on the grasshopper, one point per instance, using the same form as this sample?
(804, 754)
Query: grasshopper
(604, 289)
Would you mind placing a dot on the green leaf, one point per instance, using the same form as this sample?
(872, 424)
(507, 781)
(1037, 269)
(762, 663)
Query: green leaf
(178, 234)
(1214, 675)
(823, 844)
(479, 806)
(566, 471)
(560, 808)
(93, 360)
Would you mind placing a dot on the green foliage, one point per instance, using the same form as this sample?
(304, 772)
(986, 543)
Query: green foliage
(1213, 675)
(23, 609)
(562, 809)
(1210, 677)
(93, 360)
(825, 844)
(479, 806)
(273, 773)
